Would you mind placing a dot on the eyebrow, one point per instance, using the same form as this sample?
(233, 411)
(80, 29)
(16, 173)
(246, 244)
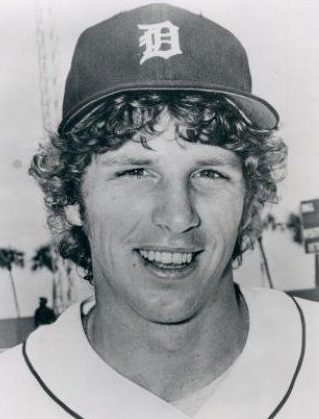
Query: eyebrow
(216, 161)
(126, 161)
(142, 161)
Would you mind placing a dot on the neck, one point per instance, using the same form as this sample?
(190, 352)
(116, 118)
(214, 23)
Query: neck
(172, 360)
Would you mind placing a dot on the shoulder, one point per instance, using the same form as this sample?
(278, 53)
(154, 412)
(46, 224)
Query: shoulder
(309, 308)
(280, 299)
(10, 360)
(278, 305)
(22, 394)
(287, 323)
(284, 338)
(310, 316)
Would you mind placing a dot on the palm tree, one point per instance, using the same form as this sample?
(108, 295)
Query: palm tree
(269, 222)
(265, 260)
(46, 256)
(44, 259)
(9, 258)
(68, 267)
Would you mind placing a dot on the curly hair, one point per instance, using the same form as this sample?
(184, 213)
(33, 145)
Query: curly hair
(201, 117)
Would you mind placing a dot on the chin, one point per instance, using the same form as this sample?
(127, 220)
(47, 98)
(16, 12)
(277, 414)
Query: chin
(168, 315)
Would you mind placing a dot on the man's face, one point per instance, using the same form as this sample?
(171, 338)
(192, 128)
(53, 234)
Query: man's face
(162, 223)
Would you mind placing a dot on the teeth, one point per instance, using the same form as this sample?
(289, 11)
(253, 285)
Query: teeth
(178, 258)
(168, 258)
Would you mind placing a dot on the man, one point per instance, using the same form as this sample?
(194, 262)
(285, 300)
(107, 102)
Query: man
(43, 314)
(154, 184)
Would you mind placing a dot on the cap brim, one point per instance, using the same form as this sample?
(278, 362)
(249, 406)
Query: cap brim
(258, 111)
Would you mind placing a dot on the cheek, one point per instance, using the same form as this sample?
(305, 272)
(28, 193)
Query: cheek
(113, 220)
(222, 216)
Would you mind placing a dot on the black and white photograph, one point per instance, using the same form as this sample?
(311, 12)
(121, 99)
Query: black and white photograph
(159, 218)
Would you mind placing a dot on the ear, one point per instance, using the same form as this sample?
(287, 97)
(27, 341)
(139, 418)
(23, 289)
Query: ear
(73, 215)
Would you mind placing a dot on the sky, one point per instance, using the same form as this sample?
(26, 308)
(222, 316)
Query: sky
(281, 38)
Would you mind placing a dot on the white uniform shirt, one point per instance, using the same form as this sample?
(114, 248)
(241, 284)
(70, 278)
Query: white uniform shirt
(61, 376)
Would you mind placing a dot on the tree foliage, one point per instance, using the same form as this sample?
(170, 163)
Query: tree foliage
(8, 258)
(44, 258)
(292, 224)
(11, 257)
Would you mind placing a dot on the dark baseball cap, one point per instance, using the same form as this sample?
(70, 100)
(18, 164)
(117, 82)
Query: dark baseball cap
(159, 47)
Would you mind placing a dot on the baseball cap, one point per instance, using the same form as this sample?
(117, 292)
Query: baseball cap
(159, 47)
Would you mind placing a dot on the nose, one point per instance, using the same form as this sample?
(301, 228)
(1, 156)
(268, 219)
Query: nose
(175, 209)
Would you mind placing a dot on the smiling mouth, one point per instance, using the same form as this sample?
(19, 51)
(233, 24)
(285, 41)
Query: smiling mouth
(168, 260)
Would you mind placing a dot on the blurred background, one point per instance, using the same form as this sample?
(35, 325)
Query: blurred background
(37, 39)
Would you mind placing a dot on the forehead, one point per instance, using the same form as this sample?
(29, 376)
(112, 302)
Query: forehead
(167, 145)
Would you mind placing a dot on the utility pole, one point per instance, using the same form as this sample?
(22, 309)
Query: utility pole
(48, 63)
(317, 270)
(50, 95)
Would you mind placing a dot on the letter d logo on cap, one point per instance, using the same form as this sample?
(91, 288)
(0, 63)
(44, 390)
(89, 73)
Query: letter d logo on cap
(160, 40)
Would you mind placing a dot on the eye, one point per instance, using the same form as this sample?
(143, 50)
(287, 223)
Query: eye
(137, 173)
(208, 174)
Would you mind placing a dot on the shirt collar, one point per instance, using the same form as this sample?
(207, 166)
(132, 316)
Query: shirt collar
(81, 380)
(263, 373)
